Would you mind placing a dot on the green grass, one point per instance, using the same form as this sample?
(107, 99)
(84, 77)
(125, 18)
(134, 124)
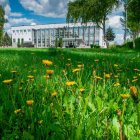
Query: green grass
(70, 113)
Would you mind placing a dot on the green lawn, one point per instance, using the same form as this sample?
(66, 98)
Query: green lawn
(90, 94)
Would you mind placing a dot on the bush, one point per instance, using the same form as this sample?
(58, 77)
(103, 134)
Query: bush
(137, 43)
(94, 46)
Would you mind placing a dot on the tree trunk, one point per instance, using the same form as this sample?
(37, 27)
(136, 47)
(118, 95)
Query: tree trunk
(104, 32)
(134, 37)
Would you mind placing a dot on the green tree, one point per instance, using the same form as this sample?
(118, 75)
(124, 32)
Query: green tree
(91, 10)
(60, 42)
(133, 16)
(7, 41)
(2, 13)
(110, 35)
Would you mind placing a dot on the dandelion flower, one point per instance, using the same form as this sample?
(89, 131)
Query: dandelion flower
(75, 70)
(29, 102)
(70, 83)
(125, 96)
(82, 90)
(54, 94)
(117, 84)
(133, 91)
(134, 80)
(138, 132)
(13, 71)
(136, 70)
(98, 77)
(17, 111)
(49, 72)
(7, 81)
(47, 62)
(115, 65)
(80, 66)
(107, 75)
(30, 77)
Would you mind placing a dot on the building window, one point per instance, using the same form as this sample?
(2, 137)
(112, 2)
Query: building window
(29, 38)
(29, 30)
(14, 40)
(24, 31)
(13, 31)
(17, 31)
(21, 31)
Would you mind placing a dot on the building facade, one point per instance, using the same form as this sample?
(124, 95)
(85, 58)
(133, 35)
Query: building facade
(43, 36)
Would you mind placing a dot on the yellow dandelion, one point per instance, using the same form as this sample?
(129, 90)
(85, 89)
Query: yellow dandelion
(135, 77)
(30, 77)
(49, 72)
(29, 102)
(80, 66)
(107, 75)
(82, 90)
(134, 80)
(136, 70)
(116, 65)
(69, 59)
(116, 76)
(117, 84)
(54, 94)
(138, 132)
(133, 91)
(7, 81)
(13, 71)
(47, 62)
(75, 70)
(70, 83)
(125, 96)
(98, 77)
(17, 111)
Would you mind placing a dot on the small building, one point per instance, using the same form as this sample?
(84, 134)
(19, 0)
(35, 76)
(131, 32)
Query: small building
(44, 36)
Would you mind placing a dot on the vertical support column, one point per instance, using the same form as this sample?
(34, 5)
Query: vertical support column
(36, 38)
(41, 38)
(94, 38)
(88, 35)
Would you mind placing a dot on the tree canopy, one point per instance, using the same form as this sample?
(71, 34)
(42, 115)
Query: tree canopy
(2, 13)
(91, 11)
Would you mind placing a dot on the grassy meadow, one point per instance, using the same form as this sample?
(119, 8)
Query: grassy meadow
(69, 94)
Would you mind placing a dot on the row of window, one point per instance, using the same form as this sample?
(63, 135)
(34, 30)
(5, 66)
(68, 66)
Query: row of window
(22, 31)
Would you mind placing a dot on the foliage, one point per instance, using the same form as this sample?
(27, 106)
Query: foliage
(134, 18)
(7, 41)
(83, 94)
(60, 42)
(110, 35)
(88, 10)
(2, 13)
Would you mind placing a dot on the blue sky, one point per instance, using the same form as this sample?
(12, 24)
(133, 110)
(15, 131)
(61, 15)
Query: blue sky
(31, 12)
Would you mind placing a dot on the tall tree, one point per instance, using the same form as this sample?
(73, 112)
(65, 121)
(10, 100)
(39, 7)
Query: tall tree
(133, 10)
(2, 20)
(7, 41)
(110, 35)
(91, 11)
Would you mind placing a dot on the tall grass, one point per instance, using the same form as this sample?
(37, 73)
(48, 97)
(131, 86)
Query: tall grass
(86, 96)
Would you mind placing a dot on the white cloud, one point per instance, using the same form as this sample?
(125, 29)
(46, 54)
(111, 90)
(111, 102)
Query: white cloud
(114, 21)
(48, 8)
(20, 20)
(16, 14)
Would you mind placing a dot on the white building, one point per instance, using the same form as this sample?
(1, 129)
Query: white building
(43, 36)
